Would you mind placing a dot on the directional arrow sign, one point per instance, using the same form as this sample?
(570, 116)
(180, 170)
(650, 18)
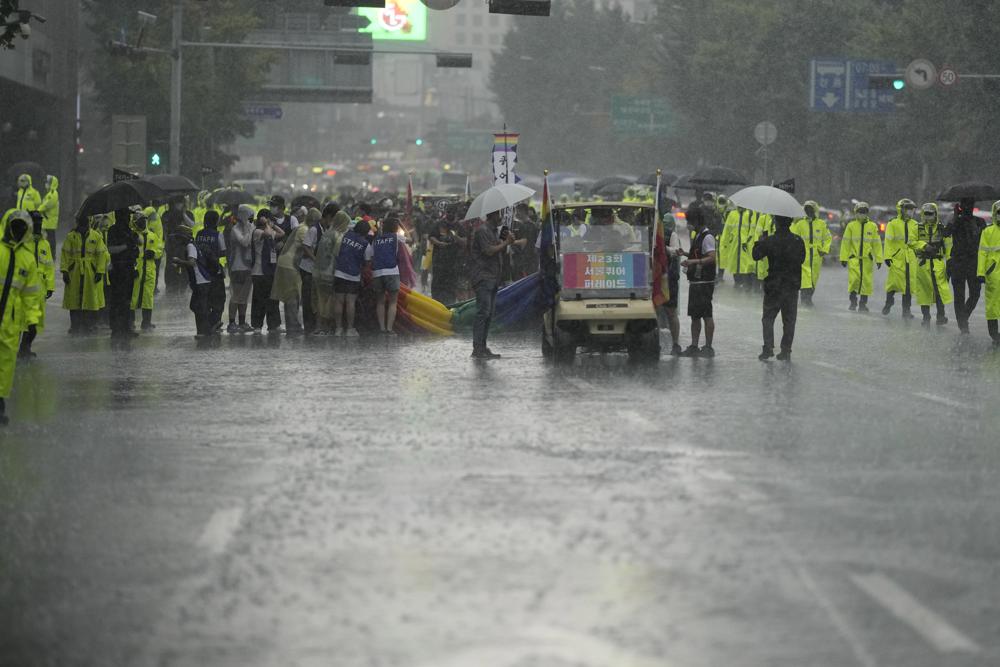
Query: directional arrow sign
(829, 88)
(921, 74)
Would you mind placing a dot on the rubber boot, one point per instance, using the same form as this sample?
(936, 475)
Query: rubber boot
(854, 302)
(147, 319)
(926, 312)
(785, 355)
(907, 305)
(890, 301)
(766, 354)
(863, 307)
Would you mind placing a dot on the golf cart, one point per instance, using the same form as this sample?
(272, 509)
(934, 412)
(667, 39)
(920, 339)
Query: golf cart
(604, 252)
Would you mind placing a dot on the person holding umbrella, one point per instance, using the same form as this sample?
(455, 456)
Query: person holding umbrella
(965, 233)
(484, 277)
(123, 246)
(785, 252)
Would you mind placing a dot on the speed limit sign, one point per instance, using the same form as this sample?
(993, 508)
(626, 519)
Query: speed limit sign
(948, 77)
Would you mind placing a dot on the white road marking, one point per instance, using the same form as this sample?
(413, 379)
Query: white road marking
(939, 399)
(828, 366)
(546, 642)
(219, 530)
(936, 630)
(840, 624)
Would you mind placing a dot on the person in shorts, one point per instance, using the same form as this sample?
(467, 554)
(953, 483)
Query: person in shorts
(354, 252)
(700, 266)
(385, 272)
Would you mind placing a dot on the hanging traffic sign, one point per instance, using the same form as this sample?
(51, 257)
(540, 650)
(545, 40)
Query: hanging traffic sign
(948, 77)
(765, 133)
(921, 74)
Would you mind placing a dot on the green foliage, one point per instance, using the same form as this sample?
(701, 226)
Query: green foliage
(216, 81)
(725, 65)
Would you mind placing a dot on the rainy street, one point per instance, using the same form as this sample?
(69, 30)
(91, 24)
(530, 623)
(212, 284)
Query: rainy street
(181, 502)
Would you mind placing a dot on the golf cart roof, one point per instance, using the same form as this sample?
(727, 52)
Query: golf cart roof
(603, 204)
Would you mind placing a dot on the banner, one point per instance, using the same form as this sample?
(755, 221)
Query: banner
(788, 186)
(621, 270)
(505, 157)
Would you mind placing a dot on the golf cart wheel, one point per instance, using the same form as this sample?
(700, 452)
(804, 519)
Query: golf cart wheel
(564, 350)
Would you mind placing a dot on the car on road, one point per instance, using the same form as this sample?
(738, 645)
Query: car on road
(605, 300)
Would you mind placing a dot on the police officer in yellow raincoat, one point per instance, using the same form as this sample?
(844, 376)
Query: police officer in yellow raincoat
(860, 252)
(988, 271)
(143, 289)
(28, 199)
(50, 209)
(19, 283)
(37, 246)
(816, 235)
(930, 283)
(900, 257)
(82, 262)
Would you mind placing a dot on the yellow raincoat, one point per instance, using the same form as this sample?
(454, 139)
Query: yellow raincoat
(19, 284)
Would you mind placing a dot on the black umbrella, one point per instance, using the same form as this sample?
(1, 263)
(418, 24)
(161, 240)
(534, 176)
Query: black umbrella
(137, 192)
(682, 183)
(306, 200)
(171, 184)
(650, 179)
(230, 197)
(717, 177)
(970, 190)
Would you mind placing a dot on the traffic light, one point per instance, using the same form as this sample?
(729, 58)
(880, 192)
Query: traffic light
(154, 160)
(419, 142)
(898, 84)
(886, 82)
(373, 141)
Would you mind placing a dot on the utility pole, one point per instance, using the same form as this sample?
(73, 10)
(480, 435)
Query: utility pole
(176, 72)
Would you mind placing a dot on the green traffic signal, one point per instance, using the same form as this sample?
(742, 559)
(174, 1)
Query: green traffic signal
(898, 84)
(374, 140)
(154, 159)
(419, 142)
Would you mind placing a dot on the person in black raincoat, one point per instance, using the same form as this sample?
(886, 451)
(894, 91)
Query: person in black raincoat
(965, 232)
(784, 253)
(123, 246)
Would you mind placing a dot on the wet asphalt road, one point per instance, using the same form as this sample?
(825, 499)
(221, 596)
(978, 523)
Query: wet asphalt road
(284, 501)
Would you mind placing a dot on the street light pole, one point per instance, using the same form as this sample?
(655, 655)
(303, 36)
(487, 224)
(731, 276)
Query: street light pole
(176, 72)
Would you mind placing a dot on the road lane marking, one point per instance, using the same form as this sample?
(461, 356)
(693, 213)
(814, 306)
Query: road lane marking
(839, 623)
(219, 530)
(546, 642)
(939, 399)
(936, 630)
(828, 366)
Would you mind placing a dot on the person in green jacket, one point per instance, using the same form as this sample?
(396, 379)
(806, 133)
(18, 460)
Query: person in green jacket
(900, 243)
(816, 235)
(37, 246)
(150, 252)
(860, 252)
(986, 270)
(50, 209)
(28, 199)
(82, 262)
(930, 274)
(19, 283)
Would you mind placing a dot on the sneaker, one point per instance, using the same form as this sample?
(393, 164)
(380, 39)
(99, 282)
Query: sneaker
(257, 331)
(784, 355)
(676, 350)
(232, 328)
(351, 333)
(484, 354)
(707, 351)
(689, 351)
(766, 354)
(491, 354)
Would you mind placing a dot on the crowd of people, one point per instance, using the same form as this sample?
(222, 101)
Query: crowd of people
(336, 268)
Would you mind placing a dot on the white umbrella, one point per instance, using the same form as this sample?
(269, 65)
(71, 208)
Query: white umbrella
(497, 198)
(772, 201)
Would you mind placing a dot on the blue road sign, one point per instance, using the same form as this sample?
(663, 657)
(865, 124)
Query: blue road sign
(846, 85)
(829, 85)
(263, 111)
(865, 97)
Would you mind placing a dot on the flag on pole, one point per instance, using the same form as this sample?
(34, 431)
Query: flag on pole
(547, 261)
(661, 284)
(505, 157)
(409, 202)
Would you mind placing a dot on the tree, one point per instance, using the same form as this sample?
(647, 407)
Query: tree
(215, 84)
